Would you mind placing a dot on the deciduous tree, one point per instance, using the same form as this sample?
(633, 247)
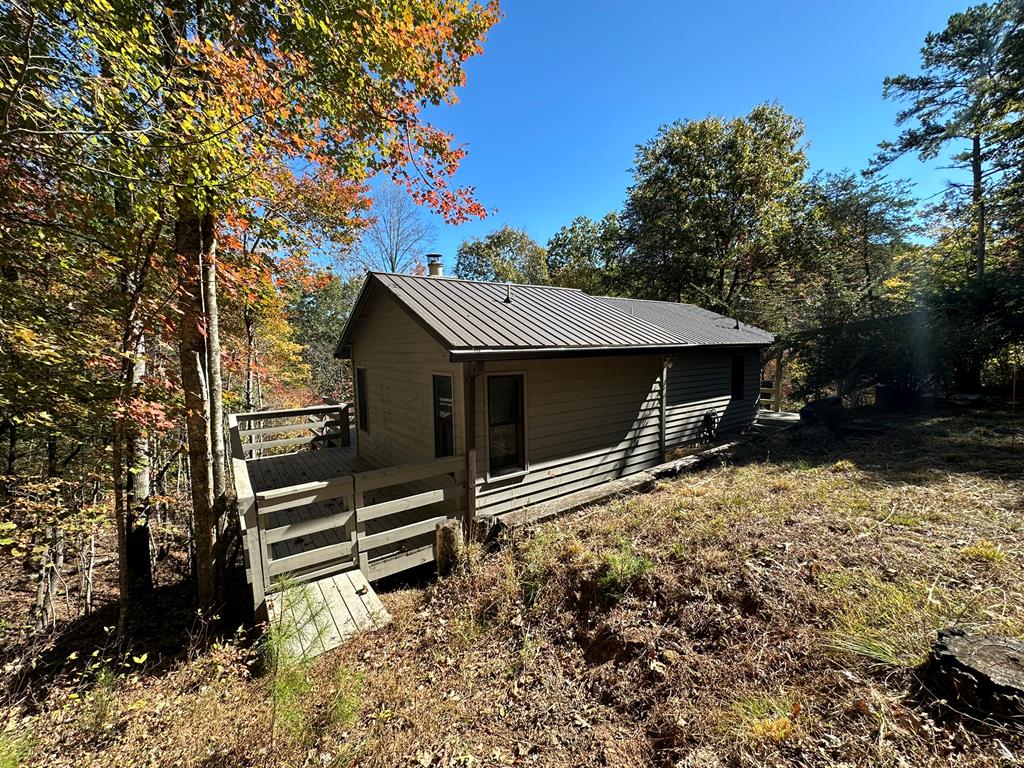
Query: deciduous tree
(505, 255)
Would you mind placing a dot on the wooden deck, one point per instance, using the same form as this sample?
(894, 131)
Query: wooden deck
(319, 524)
(294, 469)
(317, 616)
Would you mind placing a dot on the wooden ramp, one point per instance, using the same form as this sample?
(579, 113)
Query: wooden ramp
(316, 616)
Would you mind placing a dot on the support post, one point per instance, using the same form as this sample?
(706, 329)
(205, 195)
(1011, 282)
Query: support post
(360, 531)
(777, 393)
(666, 363)
(472, 371)
(448, 547)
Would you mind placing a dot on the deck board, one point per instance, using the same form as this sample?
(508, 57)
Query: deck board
(322, 614)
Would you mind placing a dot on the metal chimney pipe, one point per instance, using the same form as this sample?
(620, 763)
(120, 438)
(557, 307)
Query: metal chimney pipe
(434, 265)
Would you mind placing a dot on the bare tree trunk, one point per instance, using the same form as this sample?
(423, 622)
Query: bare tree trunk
(250, 357)
(12, 443)
(138, 566)
(979, 205)
(53, 552)
(216, 387)
(192, 353)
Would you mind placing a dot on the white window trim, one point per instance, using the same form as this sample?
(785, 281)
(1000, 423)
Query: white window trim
(487, 428)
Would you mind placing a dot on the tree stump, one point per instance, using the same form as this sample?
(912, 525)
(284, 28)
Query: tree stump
(981, 675)
(449, 547)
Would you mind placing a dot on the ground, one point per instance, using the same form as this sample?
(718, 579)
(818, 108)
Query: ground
(772, 610)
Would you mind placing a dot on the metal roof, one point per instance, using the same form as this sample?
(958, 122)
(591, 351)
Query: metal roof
(686, 321)
(478, 320)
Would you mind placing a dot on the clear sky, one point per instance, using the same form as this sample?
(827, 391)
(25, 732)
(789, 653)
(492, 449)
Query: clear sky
(566, 89)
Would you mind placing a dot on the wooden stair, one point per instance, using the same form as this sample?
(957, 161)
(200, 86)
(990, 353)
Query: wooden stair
(315, 616)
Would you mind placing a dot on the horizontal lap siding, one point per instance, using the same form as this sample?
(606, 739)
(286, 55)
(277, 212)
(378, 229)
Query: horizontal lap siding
(588, 421)
(700, 381)
(400, 358)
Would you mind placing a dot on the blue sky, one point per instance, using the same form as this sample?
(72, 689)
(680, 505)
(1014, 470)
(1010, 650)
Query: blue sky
(566, 89)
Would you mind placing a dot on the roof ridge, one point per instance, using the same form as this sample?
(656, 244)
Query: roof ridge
(474, 282)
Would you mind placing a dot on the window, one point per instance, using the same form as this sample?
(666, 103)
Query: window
(738, 376)
(361, 409)
(444, 419)
(506, 433)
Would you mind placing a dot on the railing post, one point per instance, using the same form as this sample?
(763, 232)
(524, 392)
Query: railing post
(360, 530)
(346, 438)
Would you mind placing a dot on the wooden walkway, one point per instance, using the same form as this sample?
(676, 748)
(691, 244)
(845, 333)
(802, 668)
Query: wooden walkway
(315, 617)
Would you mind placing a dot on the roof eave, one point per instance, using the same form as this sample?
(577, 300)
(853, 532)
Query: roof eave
(522, 353)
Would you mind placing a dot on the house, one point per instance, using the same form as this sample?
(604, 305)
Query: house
(546, 391)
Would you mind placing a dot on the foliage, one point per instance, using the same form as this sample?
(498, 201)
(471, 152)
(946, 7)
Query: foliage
(505, 255)
(580, 255)
(713, 208)
(318, 317)
(957, 98)
(149, 153)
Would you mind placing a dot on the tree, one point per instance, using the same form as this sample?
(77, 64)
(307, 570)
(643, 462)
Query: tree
(397, 235)
(579, 254)
(505, 255)
(857, 264)
(712, 206)
(318, 317)
(186, 121)
(956, 98)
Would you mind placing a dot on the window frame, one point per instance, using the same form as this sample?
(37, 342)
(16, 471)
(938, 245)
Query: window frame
(362, 412)
(739, 358)
(491, 476)
(433, 408)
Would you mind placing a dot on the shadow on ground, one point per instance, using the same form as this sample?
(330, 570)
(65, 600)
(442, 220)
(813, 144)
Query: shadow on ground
(164, 630)
(902, 448)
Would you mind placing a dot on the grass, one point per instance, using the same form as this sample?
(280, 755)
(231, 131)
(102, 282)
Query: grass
(984, 551)
(14, 750)
(769, 611)
(890, 623)
(764, 717)
(620, 571)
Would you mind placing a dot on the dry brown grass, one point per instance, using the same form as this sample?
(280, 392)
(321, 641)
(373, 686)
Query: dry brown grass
(766, 612)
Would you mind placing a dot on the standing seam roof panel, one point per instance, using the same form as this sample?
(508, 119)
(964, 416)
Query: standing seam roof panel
(467, 315)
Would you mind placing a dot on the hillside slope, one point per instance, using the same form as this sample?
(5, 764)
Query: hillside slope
(770, 611)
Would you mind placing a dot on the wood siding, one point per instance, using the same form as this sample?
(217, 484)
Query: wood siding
(700, 381)
(588, 420)
(400, 358)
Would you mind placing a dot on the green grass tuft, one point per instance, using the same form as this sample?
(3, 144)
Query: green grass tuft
(14, 750)
(620, 570)
(984, 551)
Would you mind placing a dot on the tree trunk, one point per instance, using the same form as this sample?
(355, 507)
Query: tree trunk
(192, 353)
(216, 387)
(137, 563)
(250, 357)
(979, 205)
(53, 551)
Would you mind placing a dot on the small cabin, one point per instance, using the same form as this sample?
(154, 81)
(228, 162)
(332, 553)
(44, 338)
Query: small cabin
(546, 391)
(473, 401)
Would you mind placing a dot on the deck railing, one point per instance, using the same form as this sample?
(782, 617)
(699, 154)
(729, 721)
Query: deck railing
(368, 533)
(323, 425)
